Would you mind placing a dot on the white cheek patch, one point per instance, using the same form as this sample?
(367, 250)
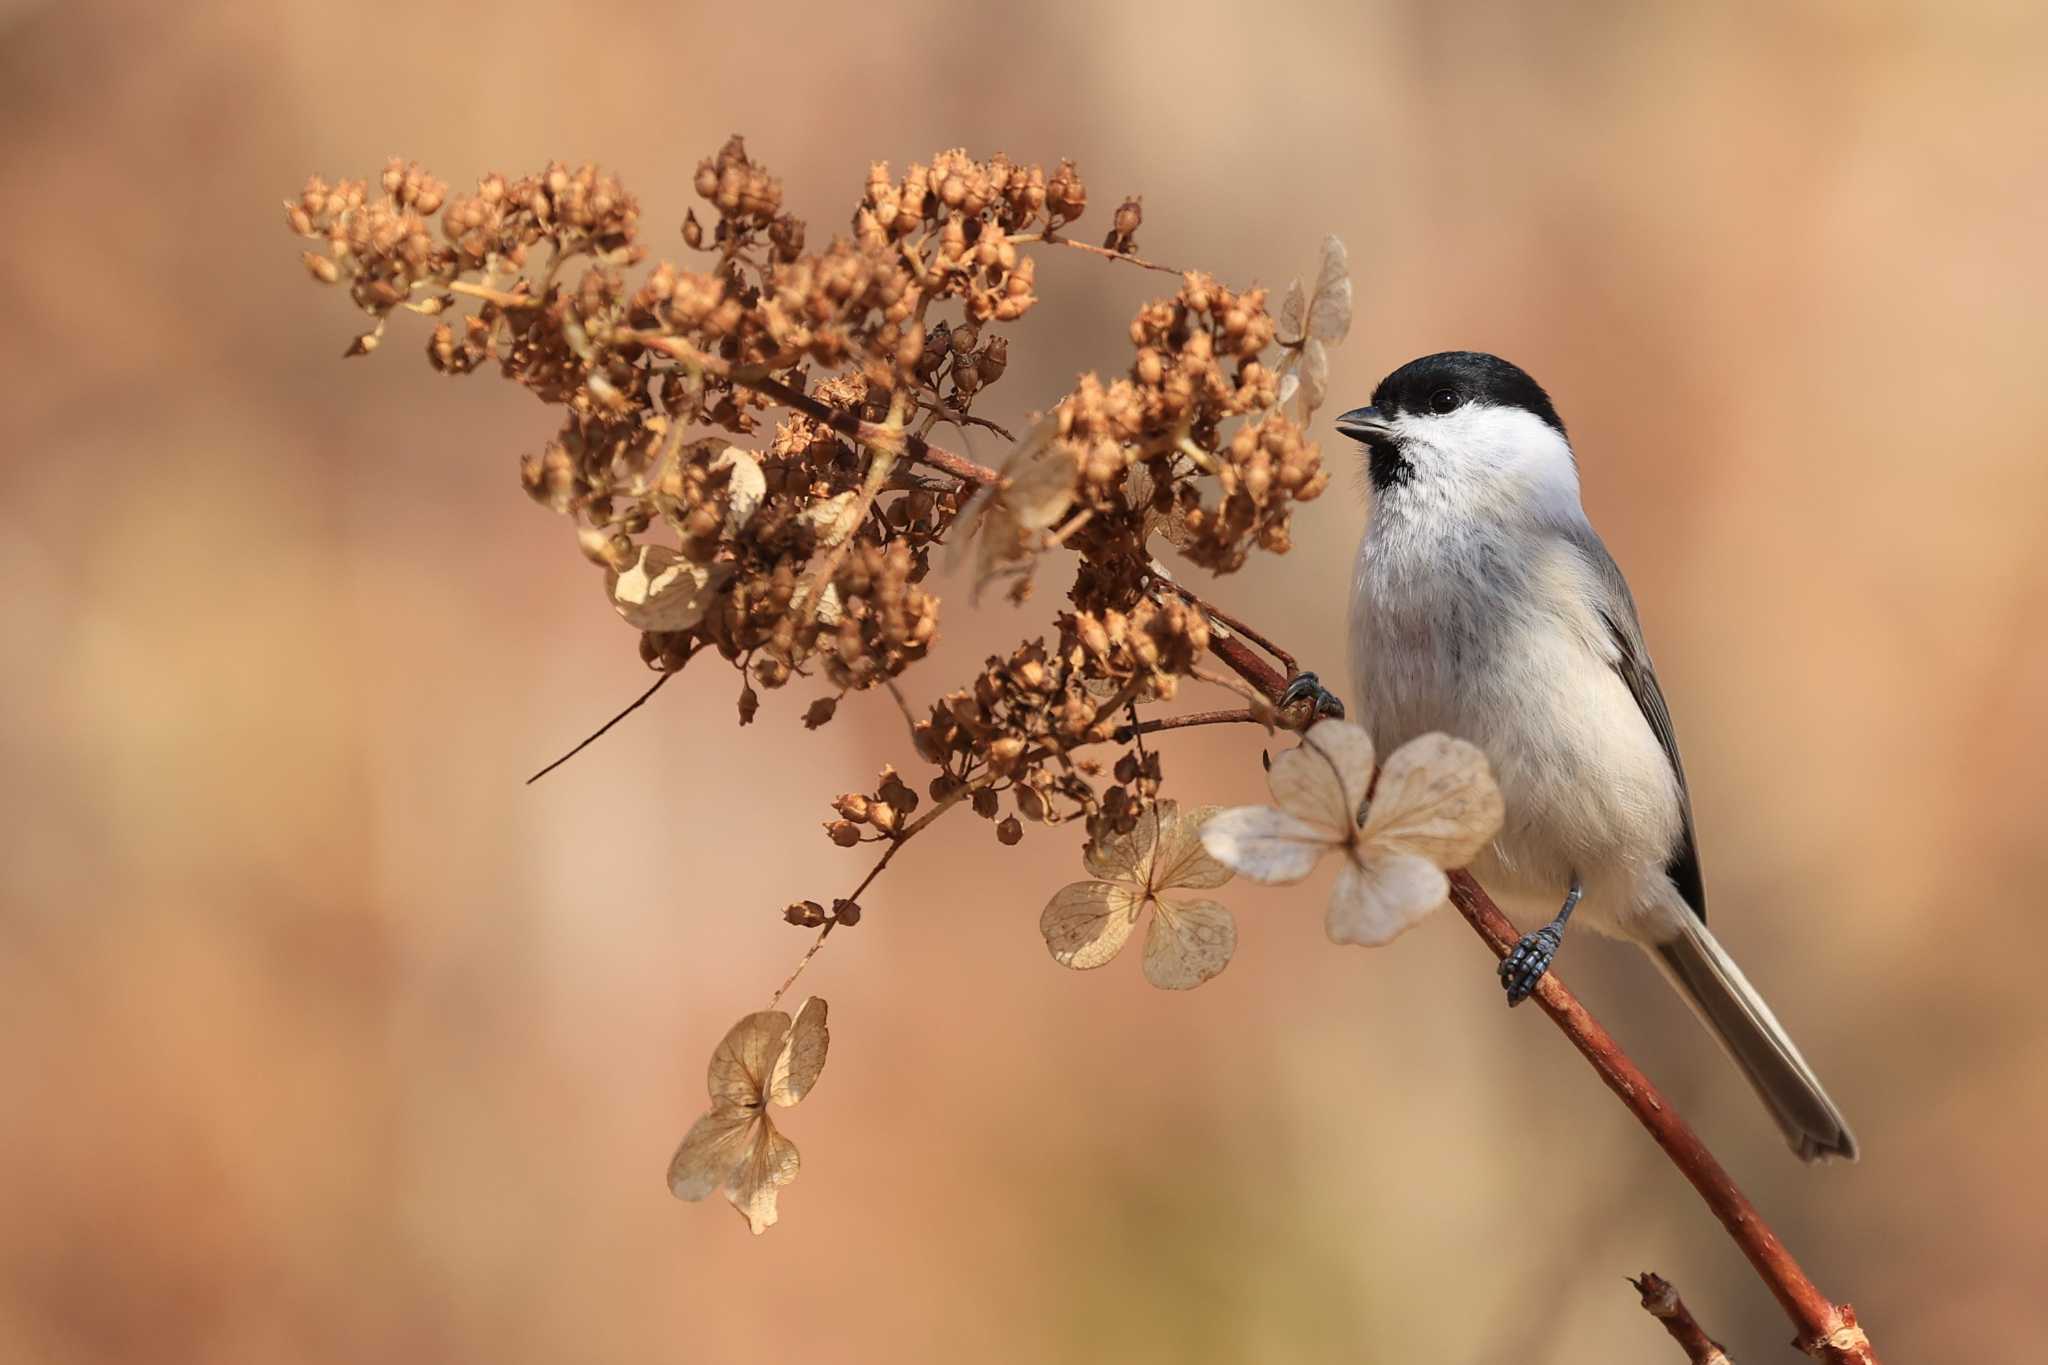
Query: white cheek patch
(1508, 456)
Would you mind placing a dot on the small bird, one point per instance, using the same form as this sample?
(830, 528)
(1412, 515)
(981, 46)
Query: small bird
(1485, 606)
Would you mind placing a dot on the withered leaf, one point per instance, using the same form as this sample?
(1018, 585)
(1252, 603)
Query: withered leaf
(1329, 310)
(662, 590)
(1292, 324)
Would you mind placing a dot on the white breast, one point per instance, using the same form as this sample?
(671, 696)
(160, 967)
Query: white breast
(1493, 638)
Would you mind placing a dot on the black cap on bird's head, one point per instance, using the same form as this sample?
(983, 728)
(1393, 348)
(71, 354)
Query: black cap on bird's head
(1437, 386)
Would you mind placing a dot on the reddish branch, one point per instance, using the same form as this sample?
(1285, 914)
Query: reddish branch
(1827, 1330)
(1232, 624)
(1661, 1302)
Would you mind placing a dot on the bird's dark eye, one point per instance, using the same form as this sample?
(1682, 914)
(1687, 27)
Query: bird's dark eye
(1444, 400)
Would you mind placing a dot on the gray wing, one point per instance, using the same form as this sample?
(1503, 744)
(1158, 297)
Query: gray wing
(1617, 608)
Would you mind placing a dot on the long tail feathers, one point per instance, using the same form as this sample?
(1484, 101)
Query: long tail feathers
(1736, 1015)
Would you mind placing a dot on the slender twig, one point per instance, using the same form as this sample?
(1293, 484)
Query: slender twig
(902, 704)
(1106, 253)
(1828, 1331)
(1074, 523)
(1242, 716)
(902, 837)
(596, 734)
(847, 424)
(968, 419)
(1228, 683)
(1661, 1301)
(882, 449)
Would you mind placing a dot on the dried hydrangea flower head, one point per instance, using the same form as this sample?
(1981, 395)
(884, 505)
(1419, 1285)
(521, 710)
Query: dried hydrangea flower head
(1435, 807)
(765, 1059)
(748, 452)
(1189, 939)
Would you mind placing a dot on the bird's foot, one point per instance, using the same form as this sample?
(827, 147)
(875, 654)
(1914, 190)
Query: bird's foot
(1323, 703)
(1522, 968)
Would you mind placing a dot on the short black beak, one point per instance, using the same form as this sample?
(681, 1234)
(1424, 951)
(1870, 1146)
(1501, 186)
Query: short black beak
(1362, 424)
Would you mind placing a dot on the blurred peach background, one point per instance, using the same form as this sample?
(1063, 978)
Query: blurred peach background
(323, 1039)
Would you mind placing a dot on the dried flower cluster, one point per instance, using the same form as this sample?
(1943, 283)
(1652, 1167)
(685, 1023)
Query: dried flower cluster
(746, 453)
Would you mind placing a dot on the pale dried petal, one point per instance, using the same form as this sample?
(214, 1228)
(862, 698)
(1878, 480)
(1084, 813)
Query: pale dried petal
(1324, 779)
(830, 611)
(1289, 383)
(1315, 377)
(1329, 312)
(1171, 525)
(1187, 943)
(993, 514)
(1114, 859)
(664, 591)
(771, 1163)
(745, 489)
(1436, 799)
(1375, 903)
(999, 542)
(745, 1059)
(1267, 845)
(1041, 487)
(967, 528)
(1127, 858)
(1102, 689)
(711, 1152)
(1178, 860)
(803, 1056)
(830, 518)
(1291, 326)
(1086, 923)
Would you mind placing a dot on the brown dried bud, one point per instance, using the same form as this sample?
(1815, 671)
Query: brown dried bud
(693, 231)
(993, 360)
(1010, 831)
(750, 702)
(846, 912)
(985, 802)
(893, 791)
(787, 235)
(938, 344)
(1065, 195)
(844, 833)
(853, 806)
(1031, 803)
(820, 712)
